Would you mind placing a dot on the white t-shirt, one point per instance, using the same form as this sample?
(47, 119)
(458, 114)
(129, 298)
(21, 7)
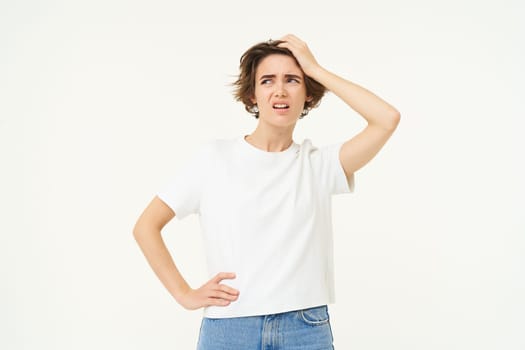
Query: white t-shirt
(267, 217)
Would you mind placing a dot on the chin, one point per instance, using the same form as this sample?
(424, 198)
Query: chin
(280, 120)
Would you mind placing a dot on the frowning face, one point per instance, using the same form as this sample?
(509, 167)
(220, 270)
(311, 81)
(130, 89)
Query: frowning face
(280, 92)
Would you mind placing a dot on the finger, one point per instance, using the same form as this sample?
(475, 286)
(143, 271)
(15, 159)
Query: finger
(292, 39)
(289, 46)
(289, 37)
(296, 48)
(223, 295)
(217, 302)
(223, 276)
(228, 289)
(284, 44)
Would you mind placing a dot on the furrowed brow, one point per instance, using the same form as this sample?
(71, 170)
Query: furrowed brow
(287, 76)
(293, 76)
(267, 76)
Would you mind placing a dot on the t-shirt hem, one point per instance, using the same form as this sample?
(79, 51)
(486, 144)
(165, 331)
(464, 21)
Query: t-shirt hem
(224, 313)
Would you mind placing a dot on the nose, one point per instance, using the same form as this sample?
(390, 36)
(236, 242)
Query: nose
(280, 91)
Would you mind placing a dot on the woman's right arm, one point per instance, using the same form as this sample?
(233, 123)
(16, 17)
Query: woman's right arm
(147, 233)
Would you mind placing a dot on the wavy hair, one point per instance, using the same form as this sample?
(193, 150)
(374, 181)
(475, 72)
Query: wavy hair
(244, 86)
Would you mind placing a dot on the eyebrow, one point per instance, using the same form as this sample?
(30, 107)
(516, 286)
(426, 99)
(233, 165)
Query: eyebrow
(268, 76)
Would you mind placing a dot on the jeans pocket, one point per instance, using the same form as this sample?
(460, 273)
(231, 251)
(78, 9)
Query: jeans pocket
(315, 316)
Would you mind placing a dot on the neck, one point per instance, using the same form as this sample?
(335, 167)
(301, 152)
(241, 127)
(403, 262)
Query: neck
(271, 139)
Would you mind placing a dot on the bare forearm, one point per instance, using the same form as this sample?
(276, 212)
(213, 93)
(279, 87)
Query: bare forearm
(147, 233)
(375, 110)
(160, 260)
(377, 113)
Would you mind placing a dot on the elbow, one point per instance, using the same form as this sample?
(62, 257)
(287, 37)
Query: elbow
(144, 231)
(139, 231)
(393, 120)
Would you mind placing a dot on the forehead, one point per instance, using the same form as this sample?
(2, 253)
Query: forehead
(276, 63)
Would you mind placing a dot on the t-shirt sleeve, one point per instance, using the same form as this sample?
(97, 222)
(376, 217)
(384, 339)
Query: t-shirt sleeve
(184, 191)
(332, 173)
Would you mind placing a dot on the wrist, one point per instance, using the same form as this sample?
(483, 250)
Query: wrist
(316, 72)
(180, 293)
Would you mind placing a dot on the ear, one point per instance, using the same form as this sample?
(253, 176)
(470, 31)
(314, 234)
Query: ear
(309, 98)
(254, 101)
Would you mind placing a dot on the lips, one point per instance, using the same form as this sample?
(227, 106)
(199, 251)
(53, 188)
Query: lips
(280, 106)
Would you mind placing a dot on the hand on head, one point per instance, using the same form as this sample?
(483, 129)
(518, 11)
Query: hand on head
(301, 52)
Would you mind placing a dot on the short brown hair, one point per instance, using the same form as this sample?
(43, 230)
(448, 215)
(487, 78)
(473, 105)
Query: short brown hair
(245, 84)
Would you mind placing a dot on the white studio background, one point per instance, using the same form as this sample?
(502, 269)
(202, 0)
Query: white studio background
(102, 101)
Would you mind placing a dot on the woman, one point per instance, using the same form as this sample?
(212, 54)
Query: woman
(264, 207)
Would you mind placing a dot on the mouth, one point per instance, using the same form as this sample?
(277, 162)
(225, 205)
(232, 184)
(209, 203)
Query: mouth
(280, 106)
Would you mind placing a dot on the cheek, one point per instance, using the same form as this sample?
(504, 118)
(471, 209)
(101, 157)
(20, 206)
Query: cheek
(259, 94)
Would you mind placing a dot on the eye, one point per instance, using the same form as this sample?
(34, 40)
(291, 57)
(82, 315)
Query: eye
(293, 80)
(266, 81)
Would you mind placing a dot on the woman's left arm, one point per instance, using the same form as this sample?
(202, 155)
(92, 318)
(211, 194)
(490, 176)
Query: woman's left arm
(382, 118)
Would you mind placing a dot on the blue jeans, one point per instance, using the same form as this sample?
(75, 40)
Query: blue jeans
(306, 329)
